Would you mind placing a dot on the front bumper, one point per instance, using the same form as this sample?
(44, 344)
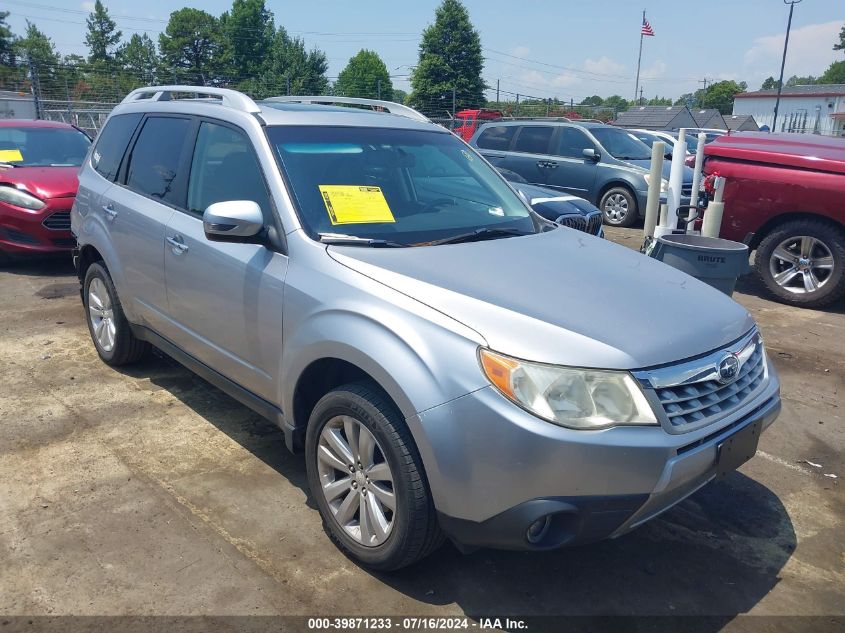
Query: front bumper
(46, 230)
(494, 470)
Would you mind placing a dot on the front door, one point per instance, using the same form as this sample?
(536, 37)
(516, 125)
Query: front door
(225, 298)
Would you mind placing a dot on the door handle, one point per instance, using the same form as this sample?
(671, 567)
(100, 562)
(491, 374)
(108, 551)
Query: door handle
(178, 244)
(551, 164)
(110, 211)
(546, 164)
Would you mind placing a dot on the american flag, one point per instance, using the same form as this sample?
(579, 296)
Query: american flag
(647, 30)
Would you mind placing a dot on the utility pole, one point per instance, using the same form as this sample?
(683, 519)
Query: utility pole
(378, 88)
(641, 95)
(35, 85)
(287, 85)
(704, 81)
(548, 106)
(454, 102)
(516, 112)
(497, 93)
(791, 4)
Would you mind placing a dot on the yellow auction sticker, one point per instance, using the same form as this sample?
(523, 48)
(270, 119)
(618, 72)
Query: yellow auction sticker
(356, 204)
(10, 156)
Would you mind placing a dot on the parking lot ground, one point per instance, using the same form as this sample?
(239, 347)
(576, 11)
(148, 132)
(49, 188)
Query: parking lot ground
(148, 492)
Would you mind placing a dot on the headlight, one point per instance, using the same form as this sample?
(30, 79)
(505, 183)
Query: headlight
(664, 184)
(20, 198)
(570, 397)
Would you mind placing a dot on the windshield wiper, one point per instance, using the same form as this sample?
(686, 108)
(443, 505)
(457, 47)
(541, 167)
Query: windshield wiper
(476, 235)
(342, 239)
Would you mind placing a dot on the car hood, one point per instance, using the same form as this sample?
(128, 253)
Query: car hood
(43, 182)
(561, 297)
(667, 169)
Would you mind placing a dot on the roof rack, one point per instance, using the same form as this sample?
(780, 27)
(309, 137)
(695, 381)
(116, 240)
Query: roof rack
(229, 98)
(387, 106)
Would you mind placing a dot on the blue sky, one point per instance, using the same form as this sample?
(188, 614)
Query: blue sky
(542, 48)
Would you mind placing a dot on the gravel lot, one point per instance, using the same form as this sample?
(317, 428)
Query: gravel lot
(149, 492)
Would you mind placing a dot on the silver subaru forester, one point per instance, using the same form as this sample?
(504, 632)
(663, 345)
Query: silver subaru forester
(450, 363)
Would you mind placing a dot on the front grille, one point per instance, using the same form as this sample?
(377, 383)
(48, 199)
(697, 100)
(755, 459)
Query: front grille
(591, 223)
(690, 404)
(690, 394)
(13, 235)
(59, 221)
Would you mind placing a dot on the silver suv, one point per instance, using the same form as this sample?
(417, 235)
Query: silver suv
(450, 363)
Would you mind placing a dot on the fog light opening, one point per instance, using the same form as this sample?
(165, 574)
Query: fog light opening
(538, 530)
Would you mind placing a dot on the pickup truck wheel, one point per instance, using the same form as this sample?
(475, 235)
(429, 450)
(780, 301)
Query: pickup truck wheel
(366, 476)
(803, 263)
(619, 207)
(110, 331)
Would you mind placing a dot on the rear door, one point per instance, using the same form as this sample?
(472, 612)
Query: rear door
(225, 298)
(137, 209)
(572, 172)
(529, 153)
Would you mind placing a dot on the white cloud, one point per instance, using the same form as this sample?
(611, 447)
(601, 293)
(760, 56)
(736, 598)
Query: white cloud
(88, 6)
(604, 66)
(520, 51)
(810, 51)
(655, 71)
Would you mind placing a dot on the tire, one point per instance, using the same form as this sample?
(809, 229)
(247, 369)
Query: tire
(113, 340)
(412, 531)
(619, 207)
(825, 244)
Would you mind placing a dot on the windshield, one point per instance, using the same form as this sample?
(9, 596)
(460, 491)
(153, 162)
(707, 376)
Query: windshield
(407, 187)
(620, 144)
(42, 147)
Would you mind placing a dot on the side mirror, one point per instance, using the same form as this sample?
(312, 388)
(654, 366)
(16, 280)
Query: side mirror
(591, 154)
(232, 219)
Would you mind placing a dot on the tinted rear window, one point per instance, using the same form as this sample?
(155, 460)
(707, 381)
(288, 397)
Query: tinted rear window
(534, 139)
(496, 137)
(112, 144)
(155, 158)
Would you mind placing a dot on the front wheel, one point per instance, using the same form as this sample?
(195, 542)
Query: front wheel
(619, 207)
(367, 478)
(802, 263)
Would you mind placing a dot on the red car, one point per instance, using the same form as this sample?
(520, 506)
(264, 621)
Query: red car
(467, 121)
(39, 161)
(785, 197)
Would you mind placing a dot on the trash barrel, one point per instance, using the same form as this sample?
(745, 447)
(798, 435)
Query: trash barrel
(714, 261)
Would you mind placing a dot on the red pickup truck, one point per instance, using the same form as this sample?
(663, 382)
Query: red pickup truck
(785, 197)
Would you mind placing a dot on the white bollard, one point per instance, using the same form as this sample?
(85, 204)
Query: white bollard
(712, 225)
(696, 176)
(676, 178)
(655, 178)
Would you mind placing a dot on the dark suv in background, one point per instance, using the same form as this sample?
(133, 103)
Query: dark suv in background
(601, 163)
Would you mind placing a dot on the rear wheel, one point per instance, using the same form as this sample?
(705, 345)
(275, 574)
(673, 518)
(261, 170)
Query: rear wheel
(619, 207)
(803, 263)
(107, 324)
(367, 478)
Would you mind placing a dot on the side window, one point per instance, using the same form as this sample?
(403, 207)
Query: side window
(572, 142)
(224, 167)
(534, 139)
(112, 143)
(154, 163)
(497, 137)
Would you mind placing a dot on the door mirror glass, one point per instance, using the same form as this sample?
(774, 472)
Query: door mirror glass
(232, 219)
(591, 154)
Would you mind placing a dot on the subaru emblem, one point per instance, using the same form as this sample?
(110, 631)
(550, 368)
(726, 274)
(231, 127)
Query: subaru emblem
(728, 368)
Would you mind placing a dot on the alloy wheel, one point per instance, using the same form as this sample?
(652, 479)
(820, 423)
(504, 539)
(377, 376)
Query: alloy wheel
(356, 481)
(801, 264)
(616, 207)
(101, 314)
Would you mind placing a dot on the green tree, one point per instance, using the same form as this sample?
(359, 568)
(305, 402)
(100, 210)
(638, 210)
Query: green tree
(7, 41)
(595, 100)
(290, 64)
(248, 32)
(450, 59)
(835, 74)
(191, 46)
(840, 45)
(770, 83)
(400, 96)
(139, 58)
(795, 80)
(38, 47)
(659, 101)
(365, 76)
(102, 37)
(720, 95)
(617, 103)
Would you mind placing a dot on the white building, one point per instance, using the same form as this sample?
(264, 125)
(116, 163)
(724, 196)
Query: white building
(814, 109)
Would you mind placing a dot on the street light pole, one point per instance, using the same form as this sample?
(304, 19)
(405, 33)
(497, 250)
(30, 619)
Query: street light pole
(791, 4)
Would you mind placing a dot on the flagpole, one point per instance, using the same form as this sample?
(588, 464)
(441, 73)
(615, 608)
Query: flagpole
(639, 59)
